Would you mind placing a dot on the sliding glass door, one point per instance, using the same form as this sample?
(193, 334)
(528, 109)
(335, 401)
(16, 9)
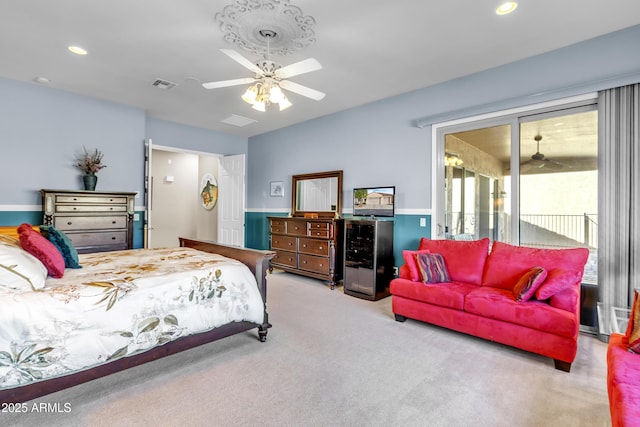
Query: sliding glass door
(531, 180)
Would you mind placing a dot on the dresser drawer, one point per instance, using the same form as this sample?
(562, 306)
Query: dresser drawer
(278, 226)
(285, 258)
(313, 263)
(283, 242)
(91, 208)
(297, 228)
(101, 200)
(66, 223)
(102, 238)
(313, 247)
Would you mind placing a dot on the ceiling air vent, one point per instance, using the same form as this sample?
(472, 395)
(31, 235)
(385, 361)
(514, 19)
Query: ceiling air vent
(163, 84)
(239, 121)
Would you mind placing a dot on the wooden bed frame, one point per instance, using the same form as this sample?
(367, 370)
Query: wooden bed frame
(257, 261)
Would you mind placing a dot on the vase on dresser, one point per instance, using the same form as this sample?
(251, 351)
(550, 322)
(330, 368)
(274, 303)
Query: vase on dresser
(90, 181)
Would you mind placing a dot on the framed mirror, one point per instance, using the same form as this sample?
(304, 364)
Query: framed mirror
(317, 193)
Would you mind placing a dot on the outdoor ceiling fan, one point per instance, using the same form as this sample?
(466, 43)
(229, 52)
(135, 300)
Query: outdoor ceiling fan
(538, 160)
(269, 78)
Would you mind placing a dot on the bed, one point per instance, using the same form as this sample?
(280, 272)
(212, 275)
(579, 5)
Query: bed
(123, 309)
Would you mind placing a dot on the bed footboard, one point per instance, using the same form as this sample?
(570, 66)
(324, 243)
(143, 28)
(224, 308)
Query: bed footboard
(256, 260)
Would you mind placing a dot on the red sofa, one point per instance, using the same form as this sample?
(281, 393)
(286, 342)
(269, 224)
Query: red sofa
(479, 300)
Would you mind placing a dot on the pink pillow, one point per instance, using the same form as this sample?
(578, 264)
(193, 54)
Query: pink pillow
(529, 283)
(412, 264)
(34, 243)
(465, 259)
(557, 280)
(633, 328)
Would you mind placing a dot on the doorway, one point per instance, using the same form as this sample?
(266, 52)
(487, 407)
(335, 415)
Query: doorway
(177, 207)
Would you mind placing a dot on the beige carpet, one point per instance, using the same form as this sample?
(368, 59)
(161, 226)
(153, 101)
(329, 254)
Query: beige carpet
(335, 360)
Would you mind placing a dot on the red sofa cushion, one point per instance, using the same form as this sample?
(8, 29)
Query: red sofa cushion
(507, 263)
(412, 264)
(464, 259)
(500, 304)
(449, 295)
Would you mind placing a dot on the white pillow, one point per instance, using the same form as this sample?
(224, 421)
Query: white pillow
(20, 270)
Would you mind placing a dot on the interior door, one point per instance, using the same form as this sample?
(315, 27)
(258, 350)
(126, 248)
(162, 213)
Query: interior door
(231, 199)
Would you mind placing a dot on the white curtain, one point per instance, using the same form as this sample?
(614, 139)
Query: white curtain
(619, 202)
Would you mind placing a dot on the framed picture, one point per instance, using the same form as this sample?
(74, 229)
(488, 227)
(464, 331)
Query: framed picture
(208, 191)
(277, 189)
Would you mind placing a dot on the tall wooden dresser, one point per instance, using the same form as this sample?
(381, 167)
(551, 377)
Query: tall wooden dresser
(94, 221)
(310, 247)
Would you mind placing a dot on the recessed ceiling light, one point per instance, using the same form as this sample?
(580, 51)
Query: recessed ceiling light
(77, 50)
(506, 8)
(42, 80)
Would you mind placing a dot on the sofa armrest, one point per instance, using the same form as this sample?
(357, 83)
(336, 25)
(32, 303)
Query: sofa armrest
(403, 272)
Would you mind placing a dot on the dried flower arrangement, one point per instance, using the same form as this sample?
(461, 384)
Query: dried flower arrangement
(89, 163)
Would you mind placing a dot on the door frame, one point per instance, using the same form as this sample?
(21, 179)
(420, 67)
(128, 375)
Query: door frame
(509, 116)
(148, 184)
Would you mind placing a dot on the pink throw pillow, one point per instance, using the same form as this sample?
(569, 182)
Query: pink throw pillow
(529, 283)
(34, 243)
(633, 328)
(412, 264)
(557, 280)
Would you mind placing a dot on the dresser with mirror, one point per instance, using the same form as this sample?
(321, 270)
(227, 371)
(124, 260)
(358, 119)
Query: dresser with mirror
(309, 241)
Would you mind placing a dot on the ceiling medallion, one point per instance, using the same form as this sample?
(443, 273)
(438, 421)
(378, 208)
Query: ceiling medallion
(260, 25)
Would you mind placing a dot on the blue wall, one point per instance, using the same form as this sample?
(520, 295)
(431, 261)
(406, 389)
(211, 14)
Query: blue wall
(42, 128)
(376, 144)
(379, 143)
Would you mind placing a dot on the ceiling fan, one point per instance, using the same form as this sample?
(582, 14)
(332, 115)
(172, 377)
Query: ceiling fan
(269, 78)
(538, 160)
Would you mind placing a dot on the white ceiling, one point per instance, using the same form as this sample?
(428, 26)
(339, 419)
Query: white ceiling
(369, 50)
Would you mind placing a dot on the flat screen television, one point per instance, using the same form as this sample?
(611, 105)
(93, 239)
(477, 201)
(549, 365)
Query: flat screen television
(374, 201)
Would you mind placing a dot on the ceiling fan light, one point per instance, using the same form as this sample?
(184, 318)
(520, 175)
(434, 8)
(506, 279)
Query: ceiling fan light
(250, 95)
(260, 106)
(285, 103)
(275, 94)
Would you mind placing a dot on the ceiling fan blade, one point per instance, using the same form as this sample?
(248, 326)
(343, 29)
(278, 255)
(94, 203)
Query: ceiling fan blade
(227, 83)
(295, 69)
(302, 90)
(241, 60)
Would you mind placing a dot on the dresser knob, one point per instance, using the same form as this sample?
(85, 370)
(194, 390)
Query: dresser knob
(69, 223)
(113, 238)
(320, 247)
(113, 222)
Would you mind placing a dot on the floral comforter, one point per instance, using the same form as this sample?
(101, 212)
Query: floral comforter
(118, 304)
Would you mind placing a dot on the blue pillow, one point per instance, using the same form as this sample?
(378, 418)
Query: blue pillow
(63, 244)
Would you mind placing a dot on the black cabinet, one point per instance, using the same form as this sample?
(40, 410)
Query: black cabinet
(368, 258)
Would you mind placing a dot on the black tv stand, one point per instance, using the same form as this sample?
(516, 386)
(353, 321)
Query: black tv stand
(368, 258)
